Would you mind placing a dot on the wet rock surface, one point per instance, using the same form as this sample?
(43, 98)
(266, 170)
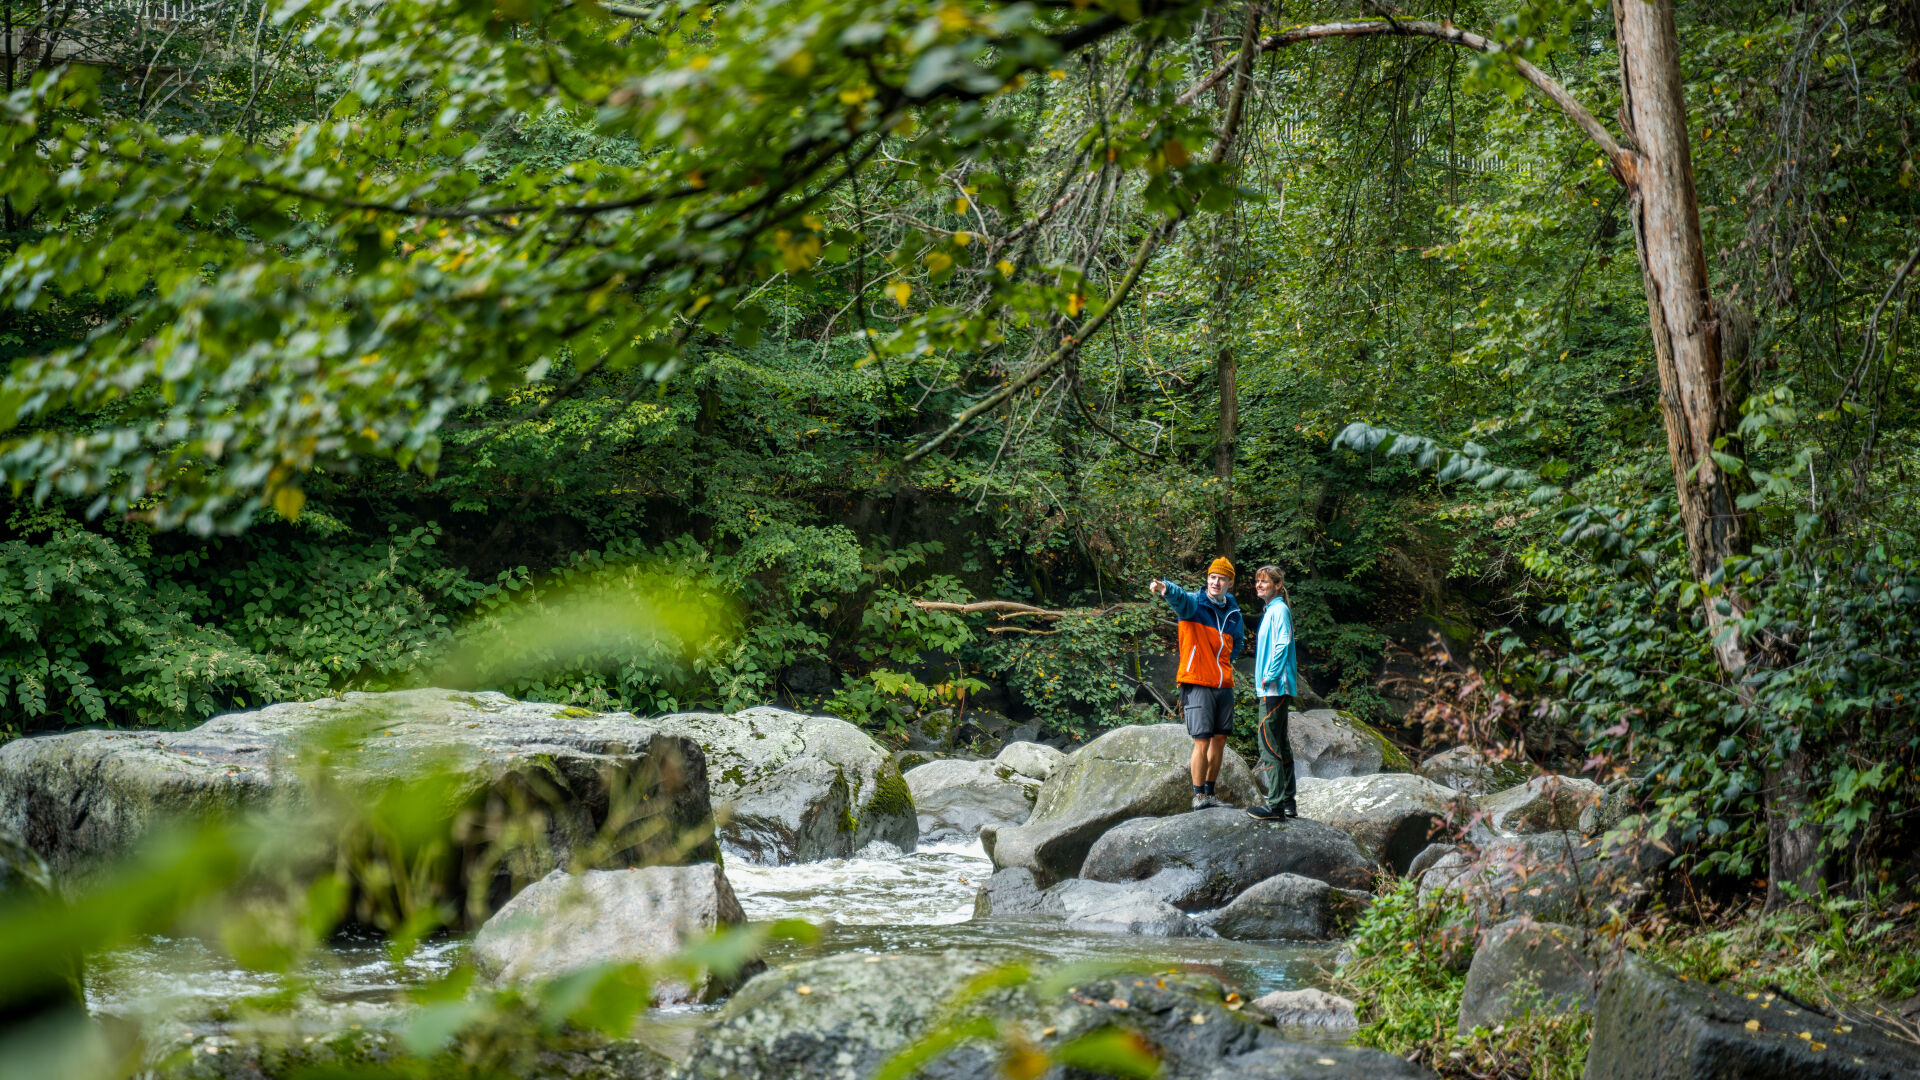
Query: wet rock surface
(1094, 906)
(858, 1011)
(80, 799)
(1289, 906)
(1328, 743)
(1130, 772)
(1228, 851)
(955, 799)
(220, 1054)
(1651, 1025)
(1037, 761)
(794, 787)
(1525, 966)
(565, 922)
(1545, 804)
(1470, 772)
(1392, 817)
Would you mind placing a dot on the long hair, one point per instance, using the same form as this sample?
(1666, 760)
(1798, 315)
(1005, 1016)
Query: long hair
(1272, 573)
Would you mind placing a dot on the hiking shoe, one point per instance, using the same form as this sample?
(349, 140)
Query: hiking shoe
(1200, 802)
(1287, 808)
(1266, 813)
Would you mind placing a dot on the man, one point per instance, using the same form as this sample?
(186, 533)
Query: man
(1275, 675)
(1210, 631)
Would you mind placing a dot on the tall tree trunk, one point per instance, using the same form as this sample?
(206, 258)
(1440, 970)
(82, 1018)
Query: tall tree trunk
(1698, 402)
(1226, 364)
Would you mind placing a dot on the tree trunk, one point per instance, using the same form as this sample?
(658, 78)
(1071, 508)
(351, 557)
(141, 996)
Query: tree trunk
(1700, 406)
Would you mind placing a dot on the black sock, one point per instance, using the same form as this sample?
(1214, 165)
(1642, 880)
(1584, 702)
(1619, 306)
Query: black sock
(1199, 789)
(1209, 788)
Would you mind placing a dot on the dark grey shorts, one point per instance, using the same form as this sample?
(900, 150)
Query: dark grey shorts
(1209, 710)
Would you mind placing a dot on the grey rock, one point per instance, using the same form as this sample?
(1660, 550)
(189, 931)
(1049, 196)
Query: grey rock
(1104, 907)
(83, 799)
(1391, 816)
(1008, 892)
(1311, 1061)
(565, 922)
(1471, 772)
(859, 1011)
(1096, 906)
(1428, 856)
(1524, 966)
(1289, 906)
(1129, 772)
(1649, 1025)
(1308, 1008)
(1328, 744)
(1031, 759)
(957, 798)
(1545, 804)
(1555, 877)
(1228, 851)
(794, 788)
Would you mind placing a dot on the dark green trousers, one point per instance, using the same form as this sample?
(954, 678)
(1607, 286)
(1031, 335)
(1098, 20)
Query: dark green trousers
(1274, 774)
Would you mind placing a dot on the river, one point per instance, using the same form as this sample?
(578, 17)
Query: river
(879, 902)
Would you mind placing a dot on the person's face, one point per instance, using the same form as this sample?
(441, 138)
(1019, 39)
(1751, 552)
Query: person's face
(1217, 585)
(1264, 587)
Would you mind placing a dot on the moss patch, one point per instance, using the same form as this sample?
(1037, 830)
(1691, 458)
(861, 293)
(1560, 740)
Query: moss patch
(574, 712)
(891, 796)
(1392, 758)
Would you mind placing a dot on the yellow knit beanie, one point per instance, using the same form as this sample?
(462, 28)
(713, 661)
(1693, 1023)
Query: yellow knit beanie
(1221, 566)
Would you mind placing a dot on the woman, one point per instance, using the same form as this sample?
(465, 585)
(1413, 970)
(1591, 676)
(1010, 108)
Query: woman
(1275, 676)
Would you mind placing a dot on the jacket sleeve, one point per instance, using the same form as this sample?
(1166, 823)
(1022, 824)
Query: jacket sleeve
(1184, 604)
(1281, 617)
(1238, 628)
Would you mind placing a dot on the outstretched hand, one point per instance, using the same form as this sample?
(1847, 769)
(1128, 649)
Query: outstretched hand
(1158, 587)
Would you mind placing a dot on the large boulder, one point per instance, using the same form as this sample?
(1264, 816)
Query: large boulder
(1228, 851)
(956, 799)
(1037, 761)
(230, 1052)
(1130, 772)
(1391, 816)
(565, 922)
(1650, 1025)
(1328, 744)
(1289, 906)
(1554, 877)
(1097, 906)
(842, 1017)
(791, 787)
(1471, 772)
(1524, 966)
(84, 799)
(1545, 804)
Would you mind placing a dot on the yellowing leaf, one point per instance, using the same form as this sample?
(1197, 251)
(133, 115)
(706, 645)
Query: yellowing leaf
(1176, 153)
(1056, 73)
(287, 502)
(1075, 303)
(1005, 267)
(960, 204)
(898, 292)
(799, 65)
(938, 261)
(963, 238)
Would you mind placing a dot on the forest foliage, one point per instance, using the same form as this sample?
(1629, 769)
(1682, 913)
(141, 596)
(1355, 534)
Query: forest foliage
(332, 347)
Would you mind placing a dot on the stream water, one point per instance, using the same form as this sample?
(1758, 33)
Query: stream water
(880, 901)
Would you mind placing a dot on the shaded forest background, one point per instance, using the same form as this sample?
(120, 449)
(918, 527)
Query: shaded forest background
(1398, 233)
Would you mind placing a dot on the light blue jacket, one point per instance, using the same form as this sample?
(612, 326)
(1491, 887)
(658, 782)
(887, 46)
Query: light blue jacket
(1276, 670)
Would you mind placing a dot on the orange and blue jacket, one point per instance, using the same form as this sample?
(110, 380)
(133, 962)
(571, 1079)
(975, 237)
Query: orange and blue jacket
(1209, 635)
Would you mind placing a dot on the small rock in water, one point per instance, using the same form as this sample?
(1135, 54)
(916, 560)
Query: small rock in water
(1308, 1008)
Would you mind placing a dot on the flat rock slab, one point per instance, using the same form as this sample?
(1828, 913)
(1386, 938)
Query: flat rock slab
(1651, 1025)
(1228, 851)
(1391, 816)
(565, 922)
(1524, 966)
(791, 787)
(955, 799)
(85, 798)
(1096, 906)
(1130, 772)
(1288, 906)
(842, 1017)
(1310, 1008)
